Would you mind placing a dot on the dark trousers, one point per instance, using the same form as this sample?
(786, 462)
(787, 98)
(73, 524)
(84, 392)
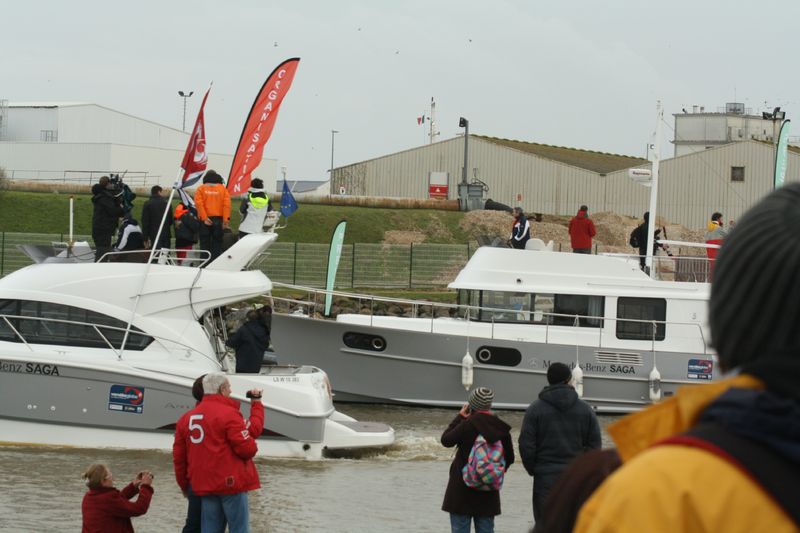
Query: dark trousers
(581, 250)
(211, 237)
(102, 243)
(192, 524)
(542, 485)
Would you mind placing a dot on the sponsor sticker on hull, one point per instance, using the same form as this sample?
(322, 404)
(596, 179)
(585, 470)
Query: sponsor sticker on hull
(126, 399)
(700, 369)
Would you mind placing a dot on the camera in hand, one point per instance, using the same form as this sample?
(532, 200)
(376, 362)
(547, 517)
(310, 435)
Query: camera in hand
(250, 395)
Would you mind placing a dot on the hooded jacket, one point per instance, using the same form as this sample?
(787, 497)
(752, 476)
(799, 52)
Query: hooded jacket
(186, 226)
(556, 429)
(220, 446)
(212, 199)
(106, 210)
(462, 432)
(581, 230)
(686, 489)
(108, 510)
(250, 341)
(254, 210)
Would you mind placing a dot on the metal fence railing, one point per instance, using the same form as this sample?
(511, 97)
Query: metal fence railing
(361, 265)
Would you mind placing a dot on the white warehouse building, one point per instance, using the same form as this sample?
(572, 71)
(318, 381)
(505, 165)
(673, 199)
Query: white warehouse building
(78, 142)
(556, 180)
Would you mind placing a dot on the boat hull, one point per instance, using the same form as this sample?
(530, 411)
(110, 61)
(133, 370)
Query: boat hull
(425, 368)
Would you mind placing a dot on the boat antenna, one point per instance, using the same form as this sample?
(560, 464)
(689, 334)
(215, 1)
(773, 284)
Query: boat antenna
(651, 221)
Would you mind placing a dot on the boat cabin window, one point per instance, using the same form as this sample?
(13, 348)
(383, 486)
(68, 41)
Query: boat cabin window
(636, 315)
(472, 299)
(45, 326)
(555, 309)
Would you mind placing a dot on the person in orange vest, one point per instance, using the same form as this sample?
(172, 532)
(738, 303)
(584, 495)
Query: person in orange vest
(214, 211)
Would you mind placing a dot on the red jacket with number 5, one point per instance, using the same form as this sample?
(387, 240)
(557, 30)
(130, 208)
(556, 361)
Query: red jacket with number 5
(214, 447)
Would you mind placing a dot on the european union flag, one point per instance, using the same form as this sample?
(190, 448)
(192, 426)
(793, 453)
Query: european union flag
(288, 203)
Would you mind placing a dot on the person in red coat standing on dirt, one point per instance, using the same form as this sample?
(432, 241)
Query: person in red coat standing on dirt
(219, 454)
(108, 510)
(581, 231)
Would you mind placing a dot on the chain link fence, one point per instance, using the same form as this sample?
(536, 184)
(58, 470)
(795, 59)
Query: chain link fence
(361, 265)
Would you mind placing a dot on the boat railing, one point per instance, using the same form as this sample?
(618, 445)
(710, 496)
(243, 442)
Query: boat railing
(162, 256)
(313, 305)
(692, 268)
(8, 321)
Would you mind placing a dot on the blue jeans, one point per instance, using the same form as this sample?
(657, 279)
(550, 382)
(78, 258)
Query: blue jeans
(231, 507)
(460, 523)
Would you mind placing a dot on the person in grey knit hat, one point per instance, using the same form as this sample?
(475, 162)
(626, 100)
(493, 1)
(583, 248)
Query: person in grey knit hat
(467, 505)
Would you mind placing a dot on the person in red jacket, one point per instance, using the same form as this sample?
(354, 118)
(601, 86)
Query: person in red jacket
(581, 231)
(213, 451)
(108, 510)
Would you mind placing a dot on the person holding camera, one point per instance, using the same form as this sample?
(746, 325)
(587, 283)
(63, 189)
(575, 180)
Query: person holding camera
(107, 211)
(108, 510)
(217, 446)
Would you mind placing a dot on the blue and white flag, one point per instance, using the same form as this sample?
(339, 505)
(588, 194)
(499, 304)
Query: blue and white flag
(288, 203)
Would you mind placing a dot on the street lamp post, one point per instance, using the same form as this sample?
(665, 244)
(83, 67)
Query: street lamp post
(333, 132)
(463, 189)
(185, 97)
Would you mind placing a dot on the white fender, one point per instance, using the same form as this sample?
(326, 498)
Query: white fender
(466, 371)
(577, 380)
(655, 384)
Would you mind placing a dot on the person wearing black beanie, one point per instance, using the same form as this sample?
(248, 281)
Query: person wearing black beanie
(556, 429)
(718, 457)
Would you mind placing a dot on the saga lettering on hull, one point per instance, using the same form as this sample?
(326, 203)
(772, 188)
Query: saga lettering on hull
(594, 367)
(29, 368)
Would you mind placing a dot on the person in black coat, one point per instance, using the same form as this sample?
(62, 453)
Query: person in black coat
(638, 240)
(250, 341)
(556, 429)
(187, 226)
(466, 504)
(152, 213)
(105, 217)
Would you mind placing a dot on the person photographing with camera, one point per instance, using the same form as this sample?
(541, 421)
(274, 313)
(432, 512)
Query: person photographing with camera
(217, 445)
(108, 510)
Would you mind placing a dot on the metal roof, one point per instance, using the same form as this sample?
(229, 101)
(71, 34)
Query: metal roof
(600, 162)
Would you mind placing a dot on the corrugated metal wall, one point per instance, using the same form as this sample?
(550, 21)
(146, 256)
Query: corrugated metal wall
(691, 187)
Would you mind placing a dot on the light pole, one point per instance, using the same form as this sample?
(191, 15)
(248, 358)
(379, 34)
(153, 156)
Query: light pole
(185, 97)
(333, 132)
(463, 189)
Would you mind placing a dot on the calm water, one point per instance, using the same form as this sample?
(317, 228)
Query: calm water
(397, 489)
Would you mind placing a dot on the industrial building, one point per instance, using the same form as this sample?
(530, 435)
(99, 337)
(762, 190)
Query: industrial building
(556, 180)
(78, 142)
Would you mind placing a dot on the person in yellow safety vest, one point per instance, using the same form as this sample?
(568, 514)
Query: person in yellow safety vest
(254, 209)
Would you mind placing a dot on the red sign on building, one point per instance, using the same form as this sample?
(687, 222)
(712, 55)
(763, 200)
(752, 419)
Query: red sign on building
(437, 191)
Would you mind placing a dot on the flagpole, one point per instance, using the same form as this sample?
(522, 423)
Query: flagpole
(158, 234)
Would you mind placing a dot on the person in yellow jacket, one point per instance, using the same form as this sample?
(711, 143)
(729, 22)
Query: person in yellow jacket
(671, 481)
(214, 211)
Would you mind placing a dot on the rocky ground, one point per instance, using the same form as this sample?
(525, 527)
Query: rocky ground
(613, 230)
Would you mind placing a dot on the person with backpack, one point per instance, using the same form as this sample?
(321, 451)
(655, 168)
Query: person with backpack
(186, 228)
(638, 240)
(484, 452)
(724, 456)
(557, 428)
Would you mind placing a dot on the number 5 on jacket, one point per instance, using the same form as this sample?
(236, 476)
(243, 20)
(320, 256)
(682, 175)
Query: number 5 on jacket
(194, 425)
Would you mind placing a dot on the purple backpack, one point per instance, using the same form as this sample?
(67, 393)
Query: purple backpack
(486, 466)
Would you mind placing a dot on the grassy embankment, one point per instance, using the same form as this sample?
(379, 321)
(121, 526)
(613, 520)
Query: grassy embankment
(28, 212)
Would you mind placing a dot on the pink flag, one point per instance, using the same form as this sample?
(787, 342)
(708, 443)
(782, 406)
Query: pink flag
(195, 159)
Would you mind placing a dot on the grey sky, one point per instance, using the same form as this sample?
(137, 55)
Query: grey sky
(575, 73)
